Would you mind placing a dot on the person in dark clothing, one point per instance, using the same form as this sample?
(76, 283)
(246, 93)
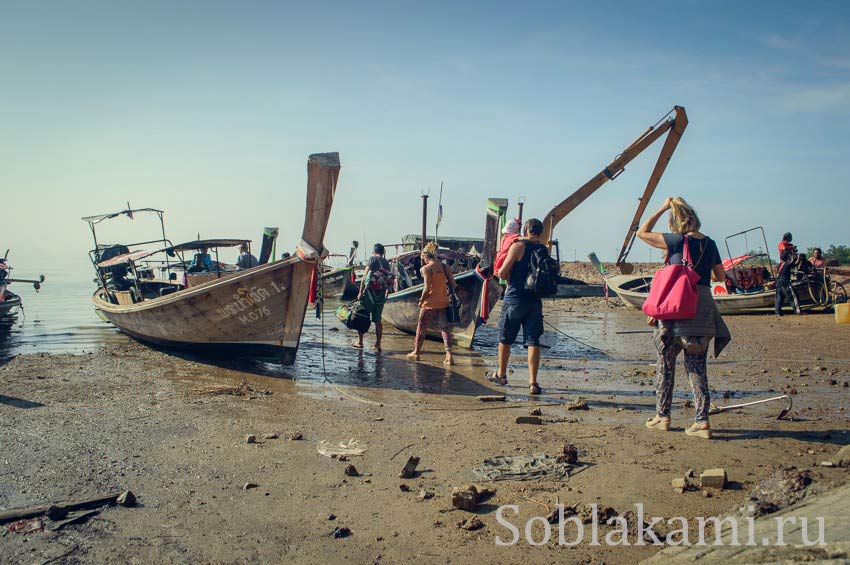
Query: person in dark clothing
(520, 308)
(377, 282)
(784, 290)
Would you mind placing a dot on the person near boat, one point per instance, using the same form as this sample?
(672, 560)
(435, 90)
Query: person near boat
(246, 260)
(817, 259)
(784, 291)
(692, 336)
(520, 308)
(786, 244)
(377, 282)
(201, 262)
(437, 280)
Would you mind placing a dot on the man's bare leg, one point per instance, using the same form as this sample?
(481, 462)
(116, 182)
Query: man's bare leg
(504, 357)
(533, 363)
(379, 332)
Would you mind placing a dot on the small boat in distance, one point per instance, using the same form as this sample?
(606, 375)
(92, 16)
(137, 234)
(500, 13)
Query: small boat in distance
(10, 303)
(159, 297)
(343, 282)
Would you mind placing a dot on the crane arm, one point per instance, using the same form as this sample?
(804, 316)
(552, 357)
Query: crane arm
(680, 122)
(617, 166)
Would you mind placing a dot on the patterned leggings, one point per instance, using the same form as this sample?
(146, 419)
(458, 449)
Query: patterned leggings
(665, 372)
(427, 318)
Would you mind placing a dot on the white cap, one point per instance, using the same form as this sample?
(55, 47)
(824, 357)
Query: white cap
(511, 227)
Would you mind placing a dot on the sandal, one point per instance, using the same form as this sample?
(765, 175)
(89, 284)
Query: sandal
(534, 389)
(496, 379)
(697, 430)
(659, 424)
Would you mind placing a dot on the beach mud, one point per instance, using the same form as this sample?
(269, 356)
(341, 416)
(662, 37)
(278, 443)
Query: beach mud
(174, 430)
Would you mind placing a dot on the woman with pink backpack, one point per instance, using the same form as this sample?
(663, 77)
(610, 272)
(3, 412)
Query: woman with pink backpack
(682, 309)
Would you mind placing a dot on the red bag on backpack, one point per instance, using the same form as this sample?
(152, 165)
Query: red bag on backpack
(673, 293)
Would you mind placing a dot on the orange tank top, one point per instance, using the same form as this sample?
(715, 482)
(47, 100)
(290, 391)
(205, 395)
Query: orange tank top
(437, 296)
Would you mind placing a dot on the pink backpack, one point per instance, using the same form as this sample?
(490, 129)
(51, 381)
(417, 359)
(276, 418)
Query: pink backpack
(673, 294)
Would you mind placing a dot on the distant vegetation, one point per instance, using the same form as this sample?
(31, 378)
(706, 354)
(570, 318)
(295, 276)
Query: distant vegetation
(838, 252)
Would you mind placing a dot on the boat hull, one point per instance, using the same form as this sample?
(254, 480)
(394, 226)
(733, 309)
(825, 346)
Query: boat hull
(257, 310)
(633, 292)
(402, 308)
(9, 305)
(340, 284)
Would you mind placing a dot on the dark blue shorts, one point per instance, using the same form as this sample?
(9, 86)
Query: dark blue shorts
(529, 316)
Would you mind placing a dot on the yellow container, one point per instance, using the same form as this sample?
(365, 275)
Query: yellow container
(842, 313)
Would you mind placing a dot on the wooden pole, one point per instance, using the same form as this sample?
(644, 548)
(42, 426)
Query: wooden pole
(424, 220)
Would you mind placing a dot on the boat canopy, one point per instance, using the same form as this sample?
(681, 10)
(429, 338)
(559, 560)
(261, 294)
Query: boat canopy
(205, 243)
(729, 264)
(96, 219)
(126, 258)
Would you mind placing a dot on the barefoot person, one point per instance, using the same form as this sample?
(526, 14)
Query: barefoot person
(693, 336)
(433, 302)
(520, 308)
(377, 282)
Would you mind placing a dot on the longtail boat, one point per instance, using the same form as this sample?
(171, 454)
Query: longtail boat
(342, 283)
(477, 290)
(10, 303)
(257, 311)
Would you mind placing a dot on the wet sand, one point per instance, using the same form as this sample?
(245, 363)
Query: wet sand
(172, 429)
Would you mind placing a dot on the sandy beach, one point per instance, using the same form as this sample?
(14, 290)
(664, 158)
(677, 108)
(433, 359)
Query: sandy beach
(173, 429)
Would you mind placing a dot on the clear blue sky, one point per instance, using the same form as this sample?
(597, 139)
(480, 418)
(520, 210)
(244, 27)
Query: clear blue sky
(209, 110)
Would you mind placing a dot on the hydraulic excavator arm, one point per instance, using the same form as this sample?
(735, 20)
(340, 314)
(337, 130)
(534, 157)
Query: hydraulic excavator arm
(673, 127)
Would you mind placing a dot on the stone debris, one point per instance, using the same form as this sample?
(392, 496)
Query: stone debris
(569, 454)
(409, 469)
(470, 496)
(578, 404)
(534, 420)
(425, 495)
(842, 458)
(351, 471)
(470, 524)
(296, 436)
(126, 499)
(535, 412)
(603, 513)
(492, 398)
(272, 435)
(249, 486)
(250, 438)
(782, 488)
(713, 478)
(331, 517)
(403, 488)
(339, 532)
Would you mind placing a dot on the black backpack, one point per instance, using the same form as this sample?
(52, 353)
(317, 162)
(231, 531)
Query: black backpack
(543, 272)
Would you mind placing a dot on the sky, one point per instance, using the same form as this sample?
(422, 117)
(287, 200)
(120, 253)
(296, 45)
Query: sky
(208, 110)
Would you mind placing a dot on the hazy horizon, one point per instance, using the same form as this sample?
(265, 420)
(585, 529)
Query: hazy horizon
(210, 111)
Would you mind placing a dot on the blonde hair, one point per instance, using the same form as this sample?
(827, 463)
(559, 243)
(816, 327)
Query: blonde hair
(430, 250)
(683, 218)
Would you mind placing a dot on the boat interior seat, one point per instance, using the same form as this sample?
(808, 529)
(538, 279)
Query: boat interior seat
(749, 279)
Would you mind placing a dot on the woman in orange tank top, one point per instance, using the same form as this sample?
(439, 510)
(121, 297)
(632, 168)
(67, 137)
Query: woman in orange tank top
(433, 302)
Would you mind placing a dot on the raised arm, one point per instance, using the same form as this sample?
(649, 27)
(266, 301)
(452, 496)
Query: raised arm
(645, 233)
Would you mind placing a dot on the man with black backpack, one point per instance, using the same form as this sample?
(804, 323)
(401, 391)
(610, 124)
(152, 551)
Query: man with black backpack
(531, 275)
(377, 282)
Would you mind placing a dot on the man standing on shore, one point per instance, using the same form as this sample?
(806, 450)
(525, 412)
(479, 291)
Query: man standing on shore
(377, 282)
(520, 307)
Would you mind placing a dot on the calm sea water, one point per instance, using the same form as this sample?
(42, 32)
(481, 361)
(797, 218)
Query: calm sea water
(57, 319)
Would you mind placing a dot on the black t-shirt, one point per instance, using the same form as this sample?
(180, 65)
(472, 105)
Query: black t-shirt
(704, 254)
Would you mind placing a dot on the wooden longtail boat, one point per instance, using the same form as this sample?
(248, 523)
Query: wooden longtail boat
(402, 307)
(257, 311)
(342, 283)
(633, 290)
(10, 302)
